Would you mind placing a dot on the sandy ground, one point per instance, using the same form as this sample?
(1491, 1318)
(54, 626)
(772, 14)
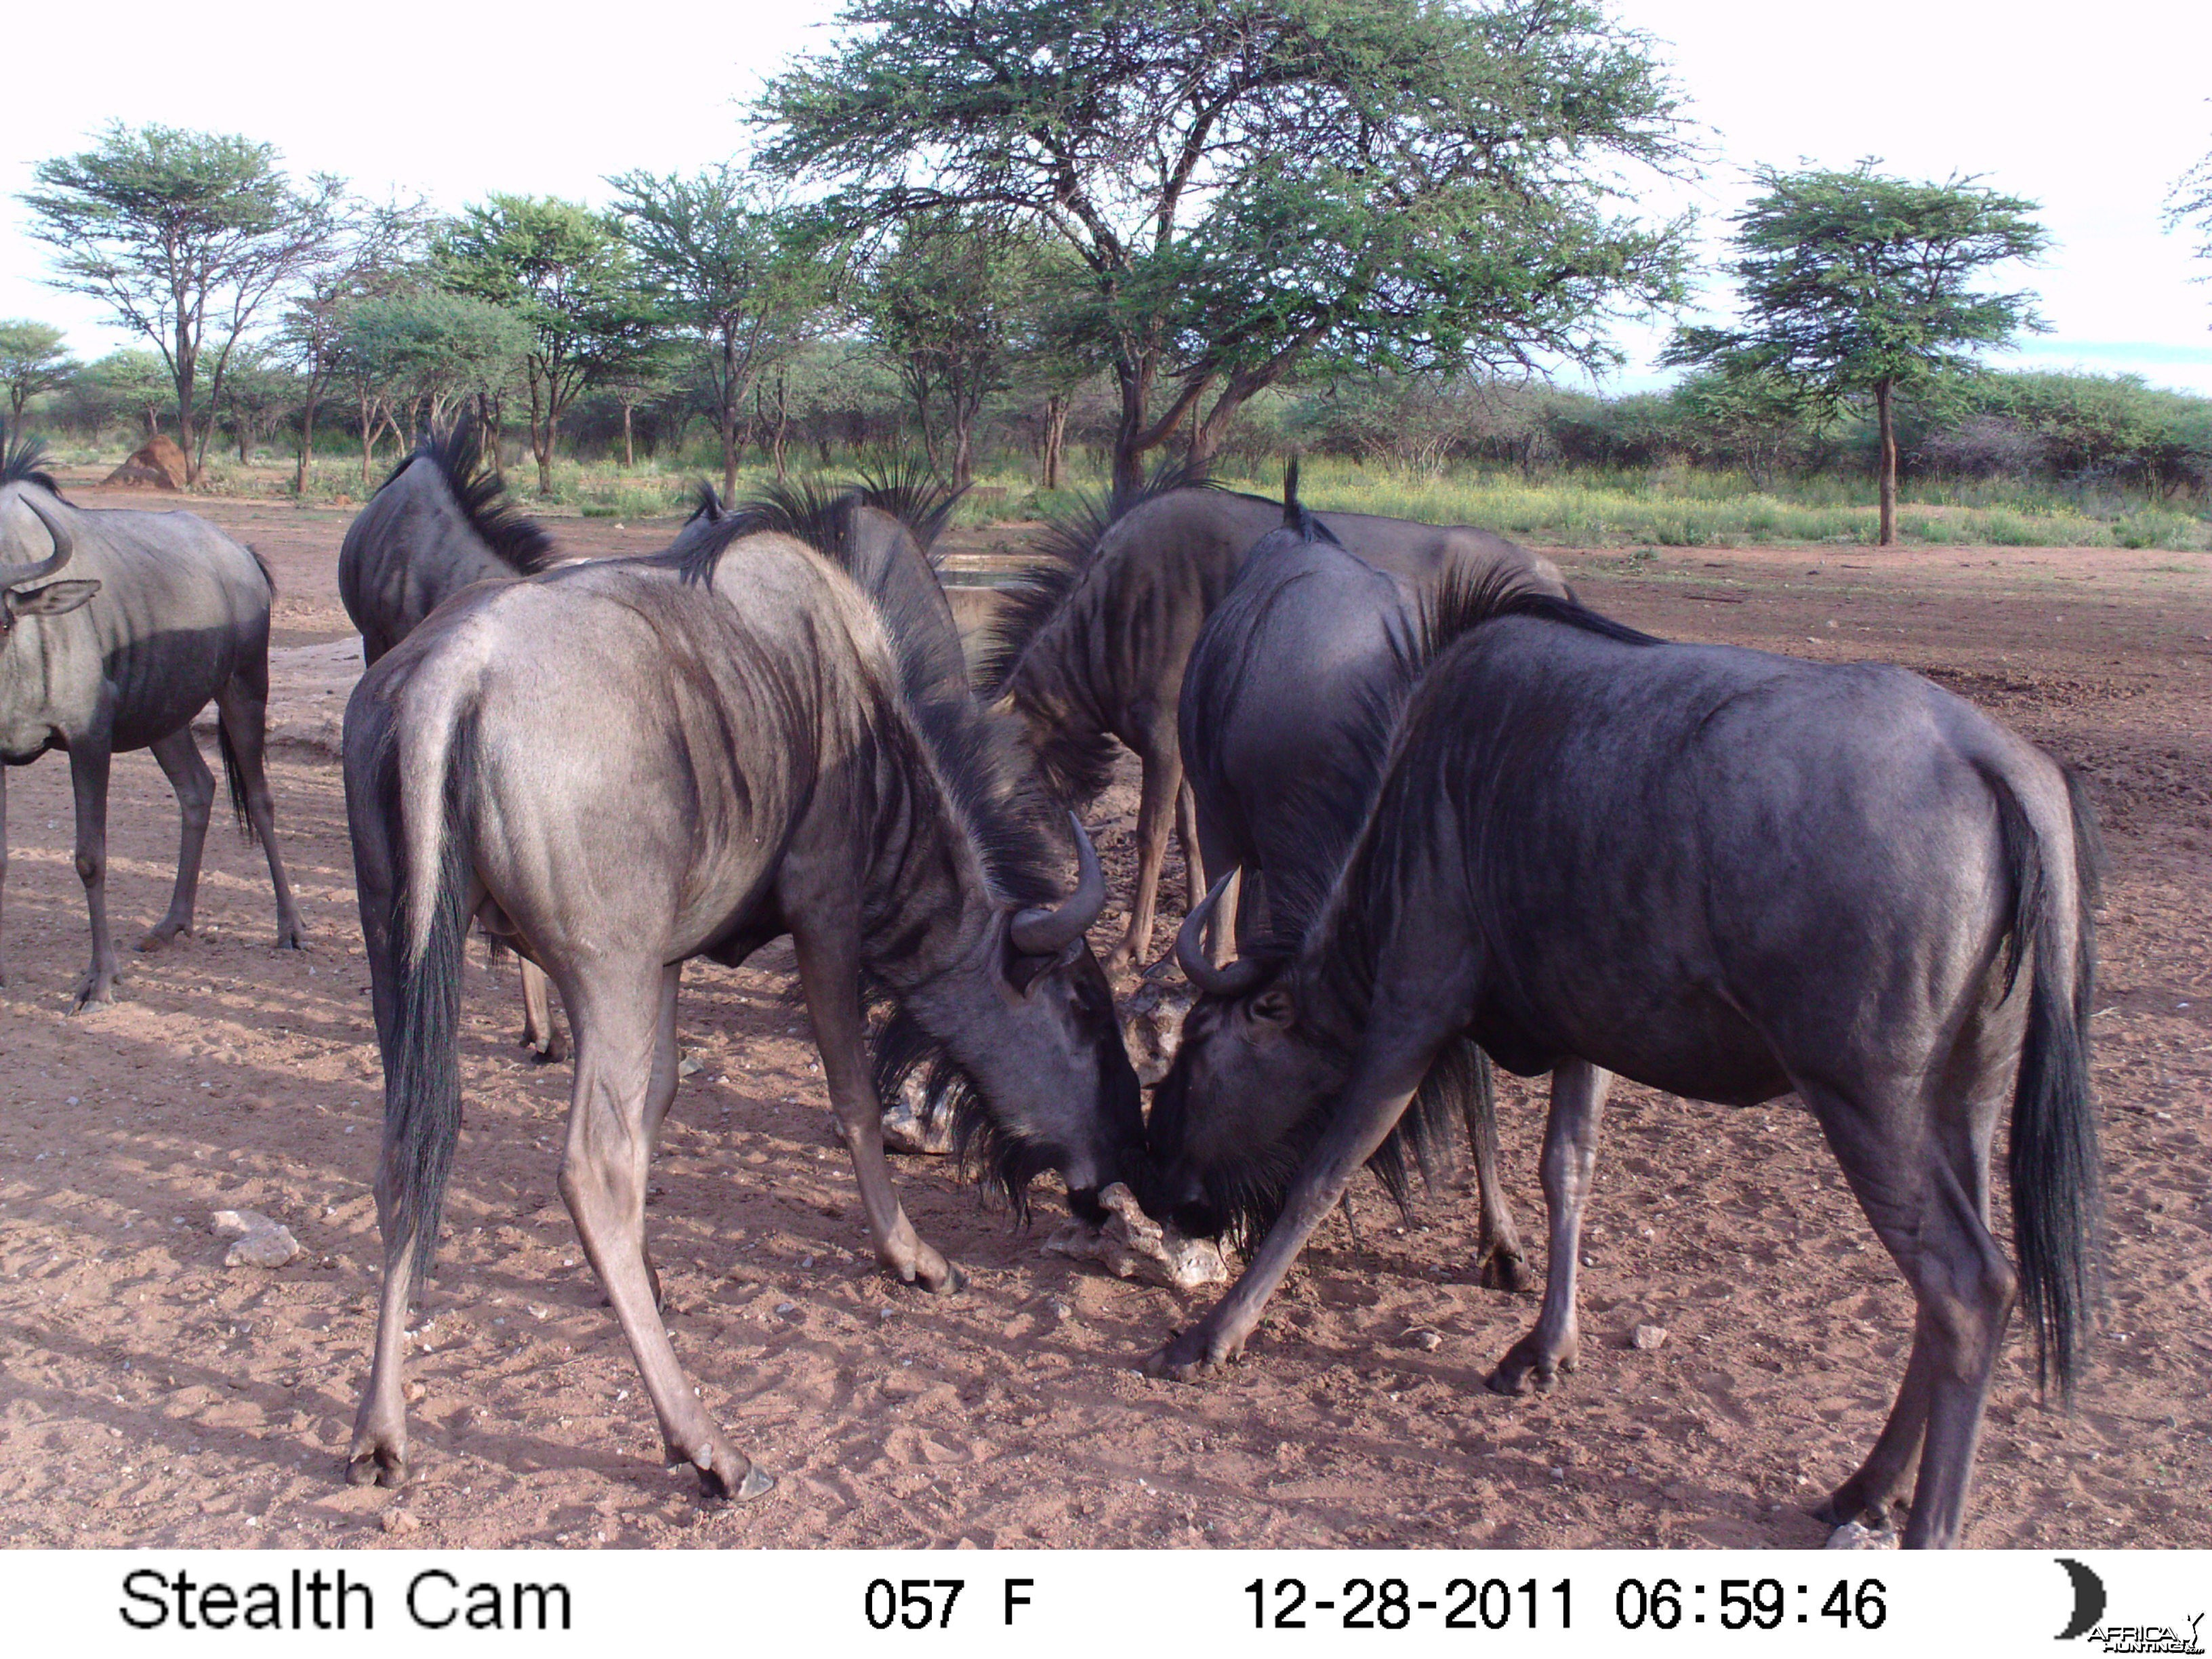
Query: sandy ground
(148, 1395)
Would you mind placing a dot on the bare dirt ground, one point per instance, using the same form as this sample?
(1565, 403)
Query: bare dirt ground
(150, 1395)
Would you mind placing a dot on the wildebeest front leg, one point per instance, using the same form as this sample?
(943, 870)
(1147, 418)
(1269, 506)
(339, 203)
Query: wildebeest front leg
(88, 759)
(245, 717)
(1155, 809)
(1374, 1100)
(616, 1012)
(539, 1031)
(179, 757)
(829, 973)
(1578, 1092)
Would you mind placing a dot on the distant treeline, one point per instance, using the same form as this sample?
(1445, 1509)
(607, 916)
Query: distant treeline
(834, 401)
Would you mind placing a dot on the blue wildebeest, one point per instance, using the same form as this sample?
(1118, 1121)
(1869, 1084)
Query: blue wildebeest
(1090, 646)
(116, 629)
(441, 523)
(1288, 701)
(755, 763)
(1722, 874)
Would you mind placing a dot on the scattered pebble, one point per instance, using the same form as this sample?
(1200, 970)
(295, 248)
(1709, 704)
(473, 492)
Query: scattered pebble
(1648, 1337)
(1423, 1338)
(399, 1521)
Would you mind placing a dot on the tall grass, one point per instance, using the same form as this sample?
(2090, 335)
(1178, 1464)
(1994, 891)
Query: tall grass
(1664, 507)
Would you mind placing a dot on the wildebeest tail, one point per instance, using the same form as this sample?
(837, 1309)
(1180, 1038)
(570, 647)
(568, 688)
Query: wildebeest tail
(2054, 1168)
(233, 776)
(422, 1075)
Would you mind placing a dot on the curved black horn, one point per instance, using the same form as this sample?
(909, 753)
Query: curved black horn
(1047, 929)
(65, 544)
(1239, 977)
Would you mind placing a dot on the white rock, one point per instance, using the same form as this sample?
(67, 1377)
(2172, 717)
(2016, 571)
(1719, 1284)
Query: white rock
(910, 1126)
(1648, 1337)
(264, 1247)
(236, 1223)
(1853, 1536)
(1130, 1244)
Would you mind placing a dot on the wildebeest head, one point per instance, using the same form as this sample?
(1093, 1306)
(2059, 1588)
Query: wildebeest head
(1246, 1097)
(1037, 1079)
(37, 588)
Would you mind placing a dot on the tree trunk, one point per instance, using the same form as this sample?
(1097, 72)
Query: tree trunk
(1055, 439)
(629, 444)
(367, 442)
(307, 446)
(727, 416)
(1888, 466)
(545, 455)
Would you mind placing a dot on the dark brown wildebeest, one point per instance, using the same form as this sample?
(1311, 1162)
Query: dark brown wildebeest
(442, 522)
(1288, 701)
(754, 763)
(1722, 874)
(116, 629)
(1090, 646)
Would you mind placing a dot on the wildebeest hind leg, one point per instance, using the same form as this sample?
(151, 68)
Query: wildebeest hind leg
(1197, 860)
(829, 973)
(88, 760)
(1155, 810)
(1868, 1495)
(1501, 1263)
(3, 869)
(179, 755)
(1928, 1203)
(616, 1012)
(379, 1454)
(1579, 1092)
(245, 717)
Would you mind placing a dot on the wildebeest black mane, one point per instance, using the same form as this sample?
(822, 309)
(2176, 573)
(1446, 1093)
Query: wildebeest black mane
(1069, 543)
(706, 503)
(22, 460)
(459, 454)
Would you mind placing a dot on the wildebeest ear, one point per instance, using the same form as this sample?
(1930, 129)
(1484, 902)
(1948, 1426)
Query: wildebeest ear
(51, 600)
(1273, 1006)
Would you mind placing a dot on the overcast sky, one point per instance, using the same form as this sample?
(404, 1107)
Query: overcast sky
(2093, 111)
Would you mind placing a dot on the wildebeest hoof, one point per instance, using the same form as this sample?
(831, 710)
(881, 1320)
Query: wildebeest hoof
(1526, 1370)
(94, 991)
(381, 1468)
(161, 937)
(720, 1480)
(1191, 1355)
(291, 936)
(1504, 1272)
(952, 1284)
(1849, 1504)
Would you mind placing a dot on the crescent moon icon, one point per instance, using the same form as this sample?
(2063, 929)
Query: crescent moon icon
(2088, 1599)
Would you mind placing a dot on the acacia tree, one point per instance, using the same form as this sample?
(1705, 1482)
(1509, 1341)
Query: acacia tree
(2190, 203)
(950, 303)
(566, 274)
(1858, 286)
(185, 236)
(375, 252)
(734, 266)
(1250, 182)
(33, 358)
